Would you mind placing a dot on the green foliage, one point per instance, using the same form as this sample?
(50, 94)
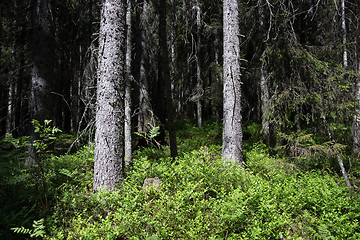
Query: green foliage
(306, 90)
(155, 131)
(310, 152)
(47, 136)
(199, 196)
(17, 198)
(191, 137)
(37, 231)
(24, 189)
(14, 142)
(303, 144)
(150, 136)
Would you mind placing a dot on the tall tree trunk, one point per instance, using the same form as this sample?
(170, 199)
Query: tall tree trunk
(2, 86)
(109, 122)
(164, 76)
(42, 73)
(219, 81)
(90, 22)
(145, 115)
(265, 103)
(10, 118)
(356, 120)
(127, 130)
(232, 132)
(10, 106)
(264, 87)
(172, 49)
(344, 33)
(20, 102)
(199, 82)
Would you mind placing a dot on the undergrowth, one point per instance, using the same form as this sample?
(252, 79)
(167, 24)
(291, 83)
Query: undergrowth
(199, 196)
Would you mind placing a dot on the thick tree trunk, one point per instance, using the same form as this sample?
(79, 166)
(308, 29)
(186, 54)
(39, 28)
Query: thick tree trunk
(109, 122)
(127, 131)
(43, 61)
(42, 73)
(232, 132)
(164, 76)
(20, 102)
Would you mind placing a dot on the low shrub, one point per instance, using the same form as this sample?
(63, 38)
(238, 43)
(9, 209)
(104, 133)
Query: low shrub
(200, 197)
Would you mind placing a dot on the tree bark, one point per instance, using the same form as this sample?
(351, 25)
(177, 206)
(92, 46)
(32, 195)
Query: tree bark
(10, 107)
(199, 82)
(232, 132)
(145, 115)
(42, 73)
(109, 122)
(127, 131)
(43, 61)
(164, 76)
(344, 33)
(172, 50)
(265, 103)
(356, 121)
(20, 102)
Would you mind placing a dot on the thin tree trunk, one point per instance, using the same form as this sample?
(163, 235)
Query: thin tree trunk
(232, 132)
(265, 100)
(344, 32)
(219, 79)
(199, 82)
(164, 76)
(145, 115)
(172, 48)
(10, 106)
(341, 164)
(356, 121)
(127, 131)
(109, 122)
(264, 87)
(90, 21)
(2, 87)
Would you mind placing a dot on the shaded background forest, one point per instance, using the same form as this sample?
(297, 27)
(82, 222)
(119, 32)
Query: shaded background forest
(292, 50)
(298, 45)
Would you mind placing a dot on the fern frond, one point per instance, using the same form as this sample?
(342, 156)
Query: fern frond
(21, 230)
(37, 231)
(154, 131)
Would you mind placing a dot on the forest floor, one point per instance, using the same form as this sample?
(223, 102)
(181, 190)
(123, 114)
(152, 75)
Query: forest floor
(195, 196)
